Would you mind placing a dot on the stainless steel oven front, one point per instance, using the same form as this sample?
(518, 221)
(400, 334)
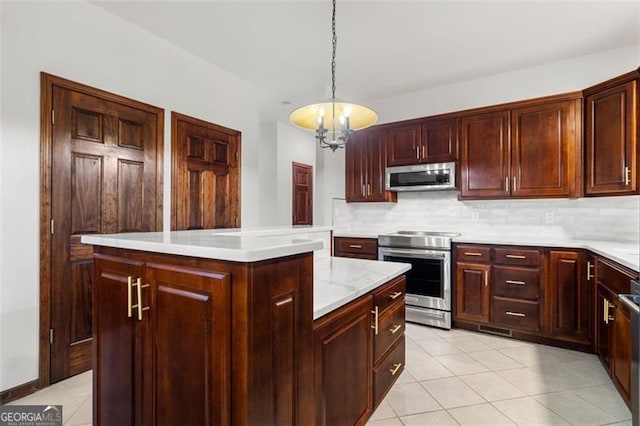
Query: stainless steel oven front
(428, 296)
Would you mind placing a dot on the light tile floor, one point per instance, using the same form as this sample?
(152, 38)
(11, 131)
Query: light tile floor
(456, 377)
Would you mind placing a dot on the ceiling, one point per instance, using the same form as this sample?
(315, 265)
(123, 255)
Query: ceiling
(385, 48)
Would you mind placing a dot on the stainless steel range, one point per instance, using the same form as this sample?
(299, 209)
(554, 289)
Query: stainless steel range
(428, 297)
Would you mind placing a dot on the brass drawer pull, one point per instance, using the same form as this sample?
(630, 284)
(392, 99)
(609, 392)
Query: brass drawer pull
(393, 370)
(395, 328)
(627, 179)
(516, 256)
(506, 184)
(515, 282)
(589, 274)
(355, 246)
(375, 320)
(515, 314)
(472, 253)
(486, 278)
(129, 290)
(395, 295)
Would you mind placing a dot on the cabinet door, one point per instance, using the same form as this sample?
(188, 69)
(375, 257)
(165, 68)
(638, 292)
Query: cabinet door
(343, 365)
(376, 157)
(621, 353)
(568, 299)
(404, 145)
(610, 141)
(472, 292)
(604, 314)
(544, 149)
(355, 159)
(118, 355)
(191, 317)
(440, 141)
(484, 155)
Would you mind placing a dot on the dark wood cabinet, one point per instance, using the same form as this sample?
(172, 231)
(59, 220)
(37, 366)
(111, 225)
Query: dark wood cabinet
(365, 167)
(360, 248)
(427, 141)
(472, 291)
(167, 326)
(569, 297)
(611, 136)
(528, 151)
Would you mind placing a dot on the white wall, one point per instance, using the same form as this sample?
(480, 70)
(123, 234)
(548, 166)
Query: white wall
(84, 43)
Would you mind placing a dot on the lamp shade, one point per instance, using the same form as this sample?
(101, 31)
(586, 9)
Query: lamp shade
(307, 117)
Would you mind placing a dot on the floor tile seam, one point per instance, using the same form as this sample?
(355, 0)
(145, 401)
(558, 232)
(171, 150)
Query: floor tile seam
(560, 415)
(536, 401)
(444, 410)
(89, 397)
(591, 403)
(470, 388)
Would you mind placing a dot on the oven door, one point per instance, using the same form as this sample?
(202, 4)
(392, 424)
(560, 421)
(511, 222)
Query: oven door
(428, 280)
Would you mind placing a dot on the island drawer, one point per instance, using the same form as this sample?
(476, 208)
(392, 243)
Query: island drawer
(387, 371)
(518, 283)
(473, 254)
(390, 328)
(389, 294)
(517, 256)
(364, 248)
(515, 313)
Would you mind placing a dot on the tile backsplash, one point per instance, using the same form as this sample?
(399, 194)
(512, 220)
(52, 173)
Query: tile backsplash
(601, 218)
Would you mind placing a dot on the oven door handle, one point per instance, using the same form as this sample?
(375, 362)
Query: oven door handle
(421, 254)
(627, 299)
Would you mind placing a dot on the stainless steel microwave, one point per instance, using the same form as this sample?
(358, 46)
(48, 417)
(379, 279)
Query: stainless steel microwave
(421, 177)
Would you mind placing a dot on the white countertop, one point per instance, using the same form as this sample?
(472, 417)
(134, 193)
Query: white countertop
(236, 245)
(339, 280)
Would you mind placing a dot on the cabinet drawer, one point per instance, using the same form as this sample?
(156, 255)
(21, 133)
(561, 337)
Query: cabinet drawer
(516, 256)
(613, 276)
(389, 294)
(390, 328)
(517, 283)
(473, 254)
(361, 246)
(388, 371)
(517, 314)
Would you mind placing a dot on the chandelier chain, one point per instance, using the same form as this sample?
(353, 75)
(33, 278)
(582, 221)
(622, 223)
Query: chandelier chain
(334, 42)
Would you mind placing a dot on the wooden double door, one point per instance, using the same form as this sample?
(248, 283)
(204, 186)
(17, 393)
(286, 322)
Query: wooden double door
(102, 162)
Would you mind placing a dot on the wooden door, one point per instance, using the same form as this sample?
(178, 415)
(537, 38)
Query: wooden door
(343, 365)
(568, 297)
(472, 292)
(119, 355)
(544, 146)
(404, 145)
(440, 140)
(485, 155)
(621, 353)
(302, 196)
(604, 315)
(105, 178)
(190, 311)
(610, 141)
(355, 165)
(205, 182)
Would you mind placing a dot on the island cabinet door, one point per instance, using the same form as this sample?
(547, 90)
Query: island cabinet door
(342, 364)
(186, 368)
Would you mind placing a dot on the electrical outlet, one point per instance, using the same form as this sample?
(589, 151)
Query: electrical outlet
(549, 217)
(475, 217)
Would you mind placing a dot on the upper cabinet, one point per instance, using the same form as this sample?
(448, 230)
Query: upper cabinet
(611, 148)
(427, 141)
(528, 151)
(365, 167)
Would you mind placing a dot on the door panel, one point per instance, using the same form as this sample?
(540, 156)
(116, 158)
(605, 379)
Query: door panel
(403, 145)
(302, 197)
(103, 174)
(472, 292)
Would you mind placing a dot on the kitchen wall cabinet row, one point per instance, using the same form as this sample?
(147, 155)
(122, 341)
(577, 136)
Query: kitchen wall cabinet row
(526, 149)
(563, 297)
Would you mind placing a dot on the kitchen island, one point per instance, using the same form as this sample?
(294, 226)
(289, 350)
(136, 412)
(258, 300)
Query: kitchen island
(213, 327)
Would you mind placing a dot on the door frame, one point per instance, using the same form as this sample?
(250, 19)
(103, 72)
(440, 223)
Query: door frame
(47, 82)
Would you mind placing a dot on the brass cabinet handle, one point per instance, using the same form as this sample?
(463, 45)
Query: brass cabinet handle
(395, 328)
(129, 289)
(375, 320)
(515, 282)
(515, 314)
(355, 246)
(627, 178)
(472, 253)
(364, 193)
(417, 152)
(589, 274)
(514, 183)
(368, 190)
(506, 184)
(393, 370)
(605, 311)
(139, 286)
(486, 278)
(395, 295)
(516, 256)
(424, 152)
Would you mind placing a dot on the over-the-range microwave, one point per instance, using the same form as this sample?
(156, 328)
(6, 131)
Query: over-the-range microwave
(421, 177)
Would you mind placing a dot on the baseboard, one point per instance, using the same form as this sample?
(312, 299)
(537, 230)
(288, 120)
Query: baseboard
(19, 391)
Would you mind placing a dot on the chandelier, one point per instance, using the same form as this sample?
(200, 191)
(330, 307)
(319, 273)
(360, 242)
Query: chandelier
(321, 117)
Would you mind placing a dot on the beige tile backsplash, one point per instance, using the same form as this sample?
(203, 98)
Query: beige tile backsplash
(601, 218)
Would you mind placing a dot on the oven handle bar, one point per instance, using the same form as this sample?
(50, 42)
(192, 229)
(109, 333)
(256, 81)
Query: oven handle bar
(422, 254)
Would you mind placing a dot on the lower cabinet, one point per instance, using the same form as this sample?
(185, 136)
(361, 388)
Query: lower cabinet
(358, 355)
(472, 291)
